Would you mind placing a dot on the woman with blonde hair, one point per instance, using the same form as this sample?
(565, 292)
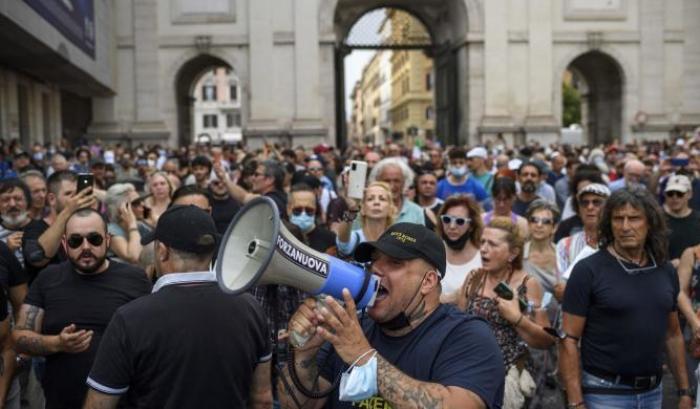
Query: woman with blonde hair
(460, 228)
(123, 225)
(515, 326)
(377, 213)
(161, 190)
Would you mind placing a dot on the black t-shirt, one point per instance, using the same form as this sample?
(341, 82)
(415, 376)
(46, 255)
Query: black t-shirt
(685, 232)
(11, 272)
(185, 346)
(568, 227)
(4, 312)
(626, 314)
(450, 348)
(223, 211)
(321, 239)
(33, 251)
(88, 301)
(520, 207)
(280, 199)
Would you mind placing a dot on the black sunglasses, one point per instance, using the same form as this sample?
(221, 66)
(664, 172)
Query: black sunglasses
(76, 240)
(460, 221)
(674, 193)
(543, 220)
(296, 211)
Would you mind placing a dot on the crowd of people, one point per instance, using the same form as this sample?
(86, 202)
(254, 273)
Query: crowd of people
(510, 277)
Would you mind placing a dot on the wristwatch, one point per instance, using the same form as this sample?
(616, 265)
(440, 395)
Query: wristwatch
(575, 405)
(683, 392)
(559, 334)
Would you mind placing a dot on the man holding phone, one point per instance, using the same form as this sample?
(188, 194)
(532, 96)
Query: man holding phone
(681, 166)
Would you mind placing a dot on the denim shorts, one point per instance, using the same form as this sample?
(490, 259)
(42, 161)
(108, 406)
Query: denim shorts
(650, 399)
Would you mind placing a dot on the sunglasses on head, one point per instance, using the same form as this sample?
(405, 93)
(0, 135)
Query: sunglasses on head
(674, 193)
(459, 221)
(76, 240)
(296, 211)
(543, 220)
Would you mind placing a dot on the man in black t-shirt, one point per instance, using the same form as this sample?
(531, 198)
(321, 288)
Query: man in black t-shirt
(223, 207)
(268, 180)
(621, 305)
(683, 222)
(42, 237)
(529, 178)
(412, 350)
(69, 306)
(187, 345)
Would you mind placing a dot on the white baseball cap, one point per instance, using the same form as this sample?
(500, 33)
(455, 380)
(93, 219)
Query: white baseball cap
(478, 152)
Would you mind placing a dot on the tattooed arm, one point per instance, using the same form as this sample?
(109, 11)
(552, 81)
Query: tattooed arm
(404, 392)
(307, 371)
(7, 359)
(27, 333)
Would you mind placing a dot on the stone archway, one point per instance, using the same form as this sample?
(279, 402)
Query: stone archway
(447, 22)
(186, 77)
(602, 92)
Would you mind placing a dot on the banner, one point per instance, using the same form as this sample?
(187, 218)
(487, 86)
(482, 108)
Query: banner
(75, 19)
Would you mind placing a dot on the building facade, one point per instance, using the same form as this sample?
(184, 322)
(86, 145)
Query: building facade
(217, 107)
(497, 67)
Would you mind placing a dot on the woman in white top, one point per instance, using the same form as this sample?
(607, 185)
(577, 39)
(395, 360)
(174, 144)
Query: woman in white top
(162, 191)
(377, 213)
(460, 228)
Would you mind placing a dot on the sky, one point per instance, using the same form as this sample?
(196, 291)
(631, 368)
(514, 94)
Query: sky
(355, 62)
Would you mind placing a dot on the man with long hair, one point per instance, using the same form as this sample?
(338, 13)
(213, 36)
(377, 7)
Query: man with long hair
(620, 307)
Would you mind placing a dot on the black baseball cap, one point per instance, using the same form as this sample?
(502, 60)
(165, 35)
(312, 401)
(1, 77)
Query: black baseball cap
(406, 241)
(185, 228)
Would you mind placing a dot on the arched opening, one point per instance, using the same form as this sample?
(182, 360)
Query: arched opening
(408, 86)
(592, 96)
(208, 100)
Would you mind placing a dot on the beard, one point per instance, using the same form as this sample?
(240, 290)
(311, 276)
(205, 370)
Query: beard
(87, 266)
(458, 244)
(15, 222)
(529, 187)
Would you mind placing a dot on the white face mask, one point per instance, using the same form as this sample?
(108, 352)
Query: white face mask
(458, 171)
(359, 382)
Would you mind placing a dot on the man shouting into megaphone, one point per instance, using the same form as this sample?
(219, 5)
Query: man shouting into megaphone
(409, 351)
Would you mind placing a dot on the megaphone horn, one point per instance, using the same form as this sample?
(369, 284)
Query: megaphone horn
(258, 250)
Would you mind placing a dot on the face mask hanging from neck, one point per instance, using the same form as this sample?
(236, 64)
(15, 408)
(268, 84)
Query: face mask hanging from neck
(459, 243)
(402, 320)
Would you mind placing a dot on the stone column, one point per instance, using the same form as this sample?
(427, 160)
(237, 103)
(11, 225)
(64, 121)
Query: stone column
(262, 98)
(540, 122)
(651, 48)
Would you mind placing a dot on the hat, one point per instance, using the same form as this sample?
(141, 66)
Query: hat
(514, 164)
(184, 228)
(678, 183)
(595, 188)
(322, 148)
(407, 241)
(478, 152)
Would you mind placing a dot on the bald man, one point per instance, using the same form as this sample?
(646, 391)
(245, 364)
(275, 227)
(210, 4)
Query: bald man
(632, 175)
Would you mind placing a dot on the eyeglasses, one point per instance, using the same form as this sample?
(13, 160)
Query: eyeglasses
(76, 240)
(296, 211)
(674, 193)
(459, 221)
(314, 169)
(541, 220)
(587, 202)
(256, 174)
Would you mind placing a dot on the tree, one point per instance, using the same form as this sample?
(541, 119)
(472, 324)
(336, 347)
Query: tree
(572, 105)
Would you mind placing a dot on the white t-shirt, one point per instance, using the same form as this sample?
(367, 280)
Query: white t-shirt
(456, 273)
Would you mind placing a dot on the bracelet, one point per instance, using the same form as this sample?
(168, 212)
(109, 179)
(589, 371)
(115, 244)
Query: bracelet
(518, 321)
(133, 229)
(683, 392)
(575, 405)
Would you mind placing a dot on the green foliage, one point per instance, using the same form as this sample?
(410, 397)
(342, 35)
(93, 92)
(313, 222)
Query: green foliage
(572, 105)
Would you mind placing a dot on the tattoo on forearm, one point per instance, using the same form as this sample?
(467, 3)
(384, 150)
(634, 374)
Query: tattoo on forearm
(2, 365)
(311, 368)
(32, 345)
(32, 314)
(402, 391)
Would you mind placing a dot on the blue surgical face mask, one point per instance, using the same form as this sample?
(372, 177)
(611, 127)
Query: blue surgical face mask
(458, 171)
(359, 382)
(304, 221)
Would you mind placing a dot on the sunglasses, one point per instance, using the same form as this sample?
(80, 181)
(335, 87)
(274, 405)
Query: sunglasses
(314, 169)
(675, 193)
(296, 211)
(541, 220)
(459, 221)
(76, 240)
(586, 202)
